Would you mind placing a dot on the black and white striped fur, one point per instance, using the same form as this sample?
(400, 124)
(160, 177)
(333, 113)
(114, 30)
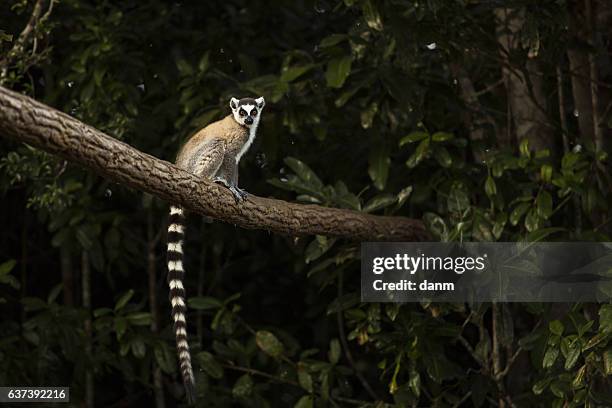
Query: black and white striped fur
(176, 234)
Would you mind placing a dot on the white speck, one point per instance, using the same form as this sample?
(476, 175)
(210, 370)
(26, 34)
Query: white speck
(576, 113)
(141, 87)
(284, 180)
(577, 148)
(221, 50)
(432, 46)
(320, 7)
(70, 84)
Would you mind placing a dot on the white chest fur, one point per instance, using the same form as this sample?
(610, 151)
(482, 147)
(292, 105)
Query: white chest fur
(249, 142)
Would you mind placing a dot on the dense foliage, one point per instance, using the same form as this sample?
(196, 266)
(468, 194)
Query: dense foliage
(391, 107)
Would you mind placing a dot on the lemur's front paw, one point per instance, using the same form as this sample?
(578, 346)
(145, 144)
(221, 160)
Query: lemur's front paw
(238, 193)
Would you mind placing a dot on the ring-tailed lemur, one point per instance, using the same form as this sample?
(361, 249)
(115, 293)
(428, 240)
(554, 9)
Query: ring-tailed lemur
(212, 153)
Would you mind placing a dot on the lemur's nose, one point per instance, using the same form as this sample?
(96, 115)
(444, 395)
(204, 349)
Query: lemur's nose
(248, 120)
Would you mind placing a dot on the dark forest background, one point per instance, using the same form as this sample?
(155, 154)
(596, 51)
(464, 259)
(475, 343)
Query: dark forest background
(489, 120)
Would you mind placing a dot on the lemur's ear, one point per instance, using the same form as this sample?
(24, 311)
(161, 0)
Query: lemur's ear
(234, 103)
(260, 102)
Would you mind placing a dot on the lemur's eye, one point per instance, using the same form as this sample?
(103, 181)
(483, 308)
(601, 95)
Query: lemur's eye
(242, 112)
(254, 112)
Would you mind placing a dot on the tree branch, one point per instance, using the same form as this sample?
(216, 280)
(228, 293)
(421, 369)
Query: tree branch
(41, 126)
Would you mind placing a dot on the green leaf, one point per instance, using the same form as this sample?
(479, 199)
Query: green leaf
(103, 311)
(368, 115)
(413, 137)
(540, 234)
(5, 37)
(204, 62)
(83, 235)
(539, 387)
(5, 269)
(338, 69)
(442, 136)
(458, 200)
(124, 299)
(442, 156)
(607, 361)
(605, 319)
(334, 351)
(164, 359)
(546, 172)
(403, 195)
(139, 319)
(550, 357)
(317, 247)
(289, 74)
(578, 381)
(518, 212)
(544, 204)
(490, 187)
(243, 388)
(305, 402)
(120, 327)
(378, 169)
(524, 148)
(304, 172)
(419, 154)
(54, 293)
(268, 343)
(138, 348)
(572, 356)
(184, 67)
(372, 16)
(332, 40)
(304, 378)
(531, 220)
(556, 327)
(439, 367)
(379, 202)
(204, 303)
(209, 364)
(415, 382)
(342, 303)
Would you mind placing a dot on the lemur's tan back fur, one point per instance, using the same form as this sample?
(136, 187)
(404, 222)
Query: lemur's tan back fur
(226, 131)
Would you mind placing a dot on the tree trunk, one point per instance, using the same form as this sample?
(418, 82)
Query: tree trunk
(89, 375)
(67, 276)
(524, 85)
(152, 240)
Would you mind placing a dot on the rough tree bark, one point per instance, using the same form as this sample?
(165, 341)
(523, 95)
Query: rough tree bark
(39, 125)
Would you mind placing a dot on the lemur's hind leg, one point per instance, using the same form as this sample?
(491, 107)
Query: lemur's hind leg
(228, 176)
(209, 159)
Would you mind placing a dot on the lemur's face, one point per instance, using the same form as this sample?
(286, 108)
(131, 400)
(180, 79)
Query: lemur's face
(247, 111)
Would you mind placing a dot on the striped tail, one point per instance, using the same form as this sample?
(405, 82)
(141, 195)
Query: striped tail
(176, 233)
